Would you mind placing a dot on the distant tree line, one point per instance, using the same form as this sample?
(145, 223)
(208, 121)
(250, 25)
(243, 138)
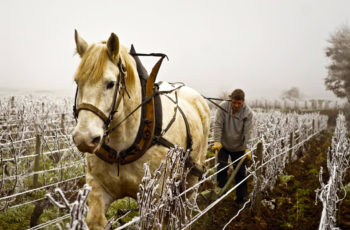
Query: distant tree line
(338, 51)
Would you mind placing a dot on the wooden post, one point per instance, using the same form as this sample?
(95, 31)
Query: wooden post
(12, 102)
(296, 140)
(41, 205)
(36, 160)
(318, 125)
(255, 210)
(291, 151)
(62, 123)
(313, 126)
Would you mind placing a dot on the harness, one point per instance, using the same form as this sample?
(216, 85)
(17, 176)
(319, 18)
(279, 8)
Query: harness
(150, 130)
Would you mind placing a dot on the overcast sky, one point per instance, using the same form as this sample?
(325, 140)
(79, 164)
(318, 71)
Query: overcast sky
(263, 47)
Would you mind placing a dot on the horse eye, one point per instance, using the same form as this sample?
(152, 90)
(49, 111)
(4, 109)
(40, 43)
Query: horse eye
(110, 85)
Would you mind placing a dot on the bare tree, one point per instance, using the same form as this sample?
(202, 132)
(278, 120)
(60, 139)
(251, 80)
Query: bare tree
(292, 94)
(338, 79)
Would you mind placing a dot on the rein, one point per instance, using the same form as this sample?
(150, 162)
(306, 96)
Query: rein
(211, 99)
(142, 104)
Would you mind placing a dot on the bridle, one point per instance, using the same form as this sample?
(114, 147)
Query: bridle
(120, 88)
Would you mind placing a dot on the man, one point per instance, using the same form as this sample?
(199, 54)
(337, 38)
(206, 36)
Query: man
(232, 130)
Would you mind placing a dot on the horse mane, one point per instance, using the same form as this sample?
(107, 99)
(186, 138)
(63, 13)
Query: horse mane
(130, 65)
(94, 62)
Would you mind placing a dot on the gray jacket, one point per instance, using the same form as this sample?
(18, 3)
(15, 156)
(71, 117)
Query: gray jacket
(233, 132)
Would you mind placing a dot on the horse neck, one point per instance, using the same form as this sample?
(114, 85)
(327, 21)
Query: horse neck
(126, 133)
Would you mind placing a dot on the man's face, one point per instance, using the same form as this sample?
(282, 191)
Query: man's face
(236, 105)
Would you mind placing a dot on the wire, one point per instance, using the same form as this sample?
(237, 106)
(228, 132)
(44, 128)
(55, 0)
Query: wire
(36, 189)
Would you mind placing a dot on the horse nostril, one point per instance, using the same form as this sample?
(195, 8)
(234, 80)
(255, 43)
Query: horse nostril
(96, 140)
(75, 140)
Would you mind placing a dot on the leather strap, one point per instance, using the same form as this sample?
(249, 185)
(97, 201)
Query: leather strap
(138, 149)
(147, 127)
(189, 141)
(92, 108)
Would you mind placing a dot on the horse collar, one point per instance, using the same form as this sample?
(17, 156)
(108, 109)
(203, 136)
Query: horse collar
(150, 116)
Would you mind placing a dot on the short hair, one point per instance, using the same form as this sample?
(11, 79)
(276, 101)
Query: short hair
(237, 94)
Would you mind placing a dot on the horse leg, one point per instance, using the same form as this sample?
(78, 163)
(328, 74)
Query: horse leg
(98, 202)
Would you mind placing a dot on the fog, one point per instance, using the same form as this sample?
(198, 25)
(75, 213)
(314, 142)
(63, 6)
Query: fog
(263, 47)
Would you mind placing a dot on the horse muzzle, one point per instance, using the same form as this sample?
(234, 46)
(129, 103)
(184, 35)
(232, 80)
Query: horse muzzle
(89, 145)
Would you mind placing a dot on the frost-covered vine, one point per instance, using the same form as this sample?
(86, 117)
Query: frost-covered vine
(282, 135)
(159, 200)
(36, 150)
(338, 161)
(25, 120)
(77, 209)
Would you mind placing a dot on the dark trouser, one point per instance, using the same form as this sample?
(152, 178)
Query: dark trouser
(241, 192)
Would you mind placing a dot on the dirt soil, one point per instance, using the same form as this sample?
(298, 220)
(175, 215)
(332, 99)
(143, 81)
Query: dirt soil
(293, 200)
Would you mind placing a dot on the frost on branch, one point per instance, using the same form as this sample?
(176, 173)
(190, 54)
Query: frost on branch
(338, 157)
(78, 209)
(281, 135)
(159, 198)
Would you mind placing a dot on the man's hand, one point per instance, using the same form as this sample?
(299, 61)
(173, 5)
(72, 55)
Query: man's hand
(249, 155)
(216, 146)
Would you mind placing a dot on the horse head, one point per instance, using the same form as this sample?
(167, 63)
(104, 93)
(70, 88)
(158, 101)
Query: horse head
(101, 80)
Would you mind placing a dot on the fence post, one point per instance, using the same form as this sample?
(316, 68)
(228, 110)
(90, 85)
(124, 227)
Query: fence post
(297, 140)
(255, 210)
(313, 126)
(12, 102)
(291, 151)
(318, 124)
(62, 123)
(41, 205)
(36, 160)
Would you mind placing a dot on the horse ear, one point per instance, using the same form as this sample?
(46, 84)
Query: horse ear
(80, 43)
(113, 46)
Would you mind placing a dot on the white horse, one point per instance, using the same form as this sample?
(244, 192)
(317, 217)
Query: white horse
(96, 78)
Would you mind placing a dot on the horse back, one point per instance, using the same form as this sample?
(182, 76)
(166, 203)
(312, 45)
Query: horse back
(197, 113)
